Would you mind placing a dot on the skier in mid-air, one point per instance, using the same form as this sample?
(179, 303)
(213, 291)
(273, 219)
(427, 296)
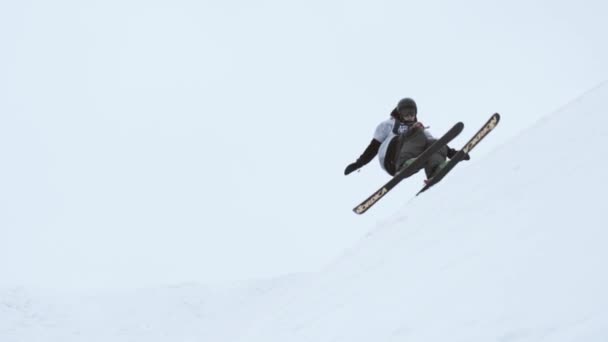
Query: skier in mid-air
(399, 139)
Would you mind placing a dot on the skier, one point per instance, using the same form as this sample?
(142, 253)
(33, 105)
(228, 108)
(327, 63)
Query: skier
(399, 139)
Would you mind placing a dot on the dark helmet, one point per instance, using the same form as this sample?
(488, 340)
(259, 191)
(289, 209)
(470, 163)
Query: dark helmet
(406, 109)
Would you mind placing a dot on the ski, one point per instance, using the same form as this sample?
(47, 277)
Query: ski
(459, 156)
(409, 170)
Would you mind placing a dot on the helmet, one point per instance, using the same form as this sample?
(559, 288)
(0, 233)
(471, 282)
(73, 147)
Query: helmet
(407, 110)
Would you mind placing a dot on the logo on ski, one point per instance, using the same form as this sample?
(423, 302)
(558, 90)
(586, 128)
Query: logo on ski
(482, 133)
(378, 195)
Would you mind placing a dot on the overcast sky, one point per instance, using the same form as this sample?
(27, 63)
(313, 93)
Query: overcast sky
(155, 142)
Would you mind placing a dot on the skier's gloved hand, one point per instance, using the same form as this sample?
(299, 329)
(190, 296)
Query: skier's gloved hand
(352, 167)
(418, 125)
(452, 152)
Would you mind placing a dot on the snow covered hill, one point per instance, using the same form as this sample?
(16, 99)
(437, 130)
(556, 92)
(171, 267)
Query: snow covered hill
(187, 312)
(511, 247)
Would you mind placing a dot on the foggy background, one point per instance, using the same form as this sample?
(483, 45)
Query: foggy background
(140, 141)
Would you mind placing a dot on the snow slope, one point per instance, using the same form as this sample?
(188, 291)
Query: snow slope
(511, 247)
(187, 312)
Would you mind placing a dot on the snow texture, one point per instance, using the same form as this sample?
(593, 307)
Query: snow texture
(508, 248)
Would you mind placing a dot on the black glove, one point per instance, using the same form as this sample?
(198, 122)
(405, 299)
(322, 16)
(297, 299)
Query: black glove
(352, 167)
(452, 152)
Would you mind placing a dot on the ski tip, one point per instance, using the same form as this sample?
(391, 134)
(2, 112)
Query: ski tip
(497, 116)
(459, 126)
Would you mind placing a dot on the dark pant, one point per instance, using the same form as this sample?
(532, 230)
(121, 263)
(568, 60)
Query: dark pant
(411, 145)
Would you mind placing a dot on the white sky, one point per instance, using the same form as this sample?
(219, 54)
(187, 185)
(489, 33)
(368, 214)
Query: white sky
(167, 141)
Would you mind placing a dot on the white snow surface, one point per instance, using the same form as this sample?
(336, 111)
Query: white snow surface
(511, 247)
